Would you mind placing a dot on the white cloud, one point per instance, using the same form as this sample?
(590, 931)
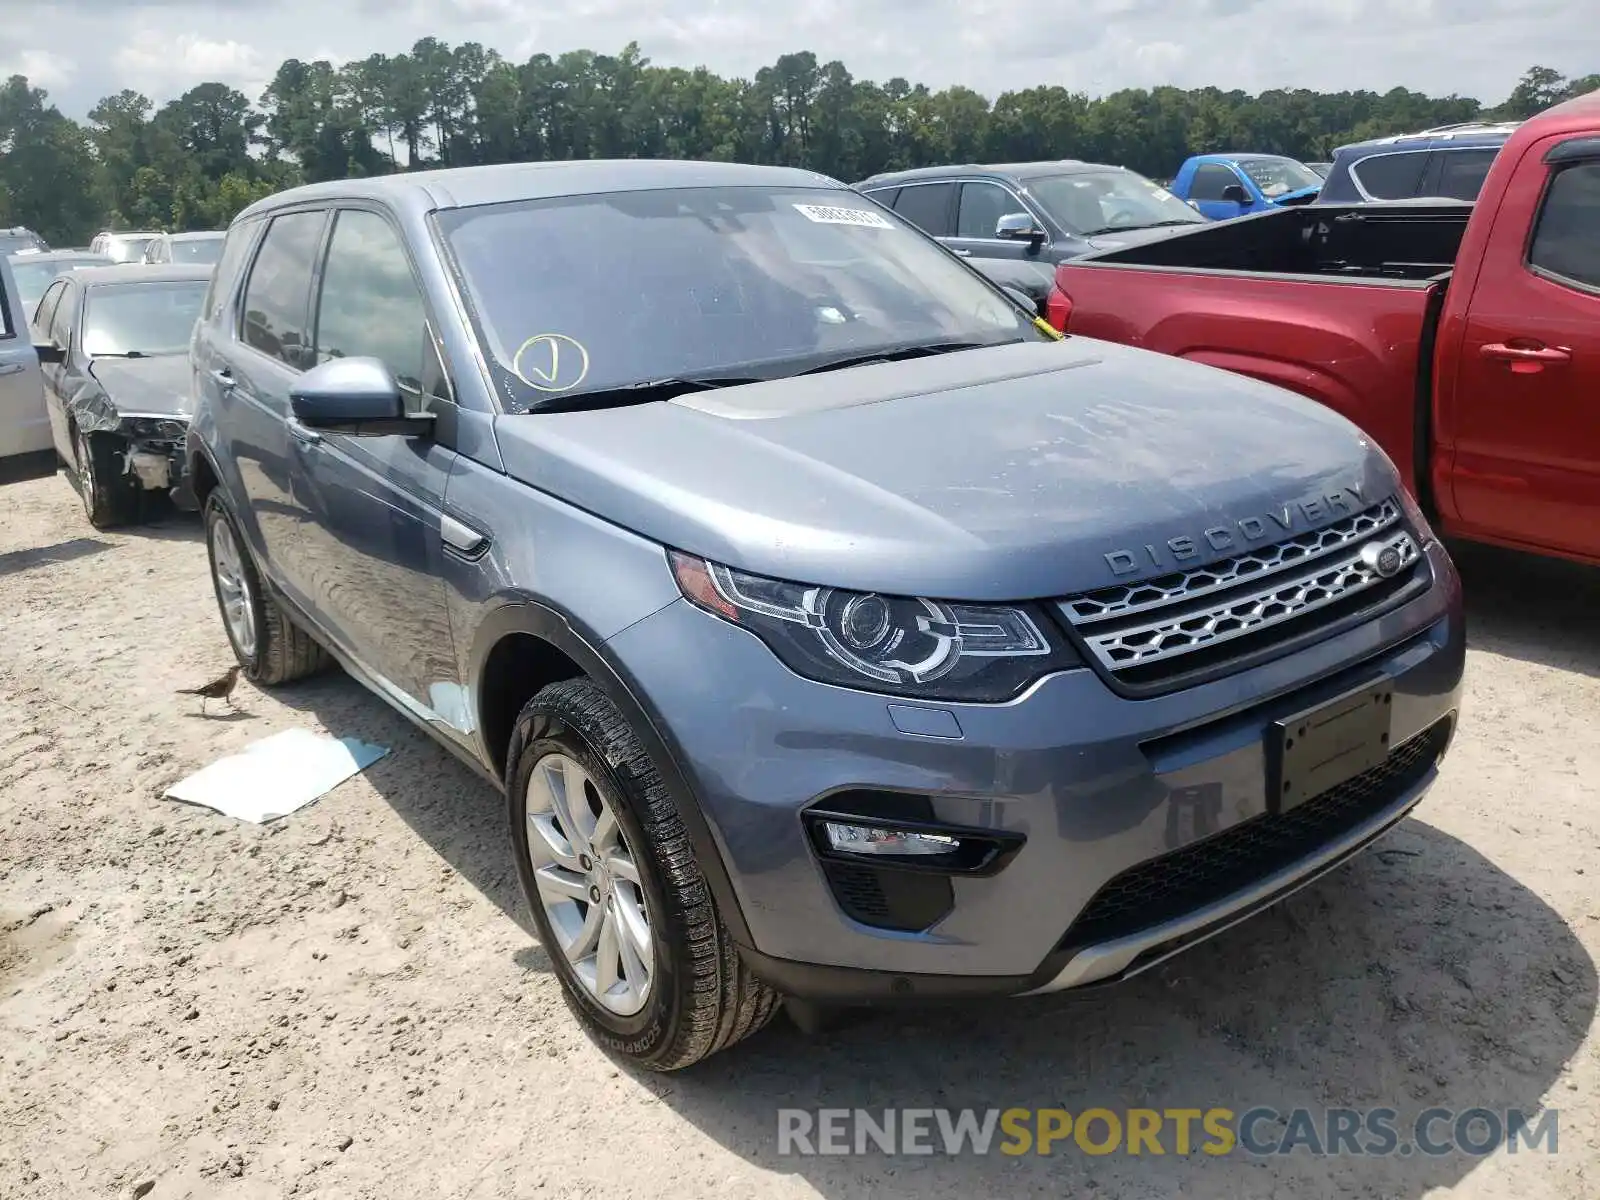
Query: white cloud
(1469, 47)
(44, 68)
(166, 63)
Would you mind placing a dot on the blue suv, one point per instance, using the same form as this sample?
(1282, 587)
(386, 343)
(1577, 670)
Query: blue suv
(836, 633)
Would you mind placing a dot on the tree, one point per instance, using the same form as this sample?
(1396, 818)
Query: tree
(197, 160)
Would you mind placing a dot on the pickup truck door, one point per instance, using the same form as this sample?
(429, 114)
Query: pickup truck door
(1525, 413)
(1210, 180)
(25, 446)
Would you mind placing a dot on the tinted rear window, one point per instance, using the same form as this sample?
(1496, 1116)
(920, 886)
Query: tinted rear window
(1391, 176)
(277, 298)
(235, 249)
(927, 206)
(1461, 173)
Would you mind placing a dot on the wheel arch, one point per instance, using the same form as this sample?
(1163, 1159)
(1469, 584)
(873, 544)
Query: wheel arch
(526, 633)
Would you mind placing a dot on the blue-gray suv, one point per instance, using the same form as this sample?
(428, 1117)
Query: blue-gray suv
(837, 634)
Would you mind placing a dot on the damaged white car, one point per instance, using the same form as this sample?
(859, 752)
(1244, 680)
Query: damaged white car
(113, 343)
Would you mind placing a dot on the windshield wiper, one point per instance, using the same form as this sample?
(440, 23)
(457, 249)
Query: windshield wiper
(1105, 229)
(900, 353)
(625, 394)
(120, 354)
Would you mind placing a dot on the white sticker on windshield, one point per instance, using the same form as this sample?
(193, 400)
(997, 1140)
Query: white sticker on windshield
(824, 214)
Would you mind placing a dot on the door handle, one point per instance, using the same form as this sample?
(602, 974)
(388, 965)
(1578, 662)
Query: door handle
(223, 376)
(308, 437)
(1525, 360)
(963, 253)
(10, 369)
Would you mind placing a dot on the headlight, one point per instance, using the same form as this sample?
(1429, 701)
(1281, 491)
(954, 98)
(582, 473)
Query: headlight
(908, 646)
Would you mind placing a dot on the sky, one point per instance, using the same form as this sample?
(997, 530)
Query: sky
(80, 50)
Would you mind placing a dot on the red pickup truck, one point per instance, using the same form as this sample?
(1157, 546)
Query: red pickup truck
(1463, 339)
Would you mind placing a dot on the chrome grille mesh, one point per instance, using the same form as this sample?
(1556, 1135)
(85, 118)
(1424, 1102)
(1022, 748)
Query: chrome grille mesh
(1136, 626)
(1170, 589)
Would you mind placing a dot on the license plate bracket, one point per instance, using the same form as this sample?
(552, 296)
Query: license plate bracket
(1327, 744)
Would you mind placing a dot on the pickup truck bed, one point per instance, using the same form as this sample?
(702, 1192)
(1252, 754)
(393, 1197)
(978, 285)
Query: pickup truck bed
(1252, 296)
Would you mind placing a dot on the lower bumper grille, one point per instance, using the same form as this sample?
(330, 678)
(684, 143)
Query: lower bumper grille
(1176, 884)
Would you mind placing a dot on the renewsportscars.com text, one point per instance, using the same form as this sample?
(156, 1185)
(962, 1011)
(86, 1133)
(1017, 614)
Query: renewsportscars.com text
(1259, 1131)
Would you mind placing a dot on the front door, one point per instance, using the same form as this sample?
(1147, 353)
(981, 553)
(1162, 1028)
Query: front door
(1010, 262)
(25, 449)
(373, 557)
(1525, 415)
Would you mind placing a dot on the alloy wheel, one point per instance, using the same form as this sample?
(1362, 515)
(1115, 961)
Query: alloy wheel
(588, 884)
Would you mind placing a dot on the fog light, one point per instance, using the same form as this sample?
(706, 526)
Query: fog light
(883, 842)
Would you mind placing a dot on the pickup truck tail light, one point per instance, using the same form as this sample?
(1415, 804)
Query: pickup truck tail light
(1058, 308)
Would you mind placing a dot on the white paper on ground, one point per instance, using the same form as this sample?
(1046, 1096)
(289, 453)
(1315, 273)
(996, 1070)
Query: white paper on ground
(277, 775)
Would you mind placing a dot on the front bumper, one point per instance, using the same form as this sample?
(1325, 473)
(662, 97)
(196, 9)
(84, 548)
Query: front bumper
(1099, 785)
(155, 454)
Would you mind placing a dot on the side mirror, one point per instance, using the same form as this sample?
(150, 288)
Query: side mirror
(49, 353)
(357, 396)
(1236, 193)
(1019, 227)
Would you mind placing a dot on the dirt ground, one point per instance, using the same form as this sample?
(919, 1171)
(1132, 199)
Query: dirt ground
(351, 1003)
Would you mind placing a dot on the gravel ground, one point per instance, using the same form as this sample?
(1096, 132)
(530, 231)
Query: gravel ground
(351, 1002)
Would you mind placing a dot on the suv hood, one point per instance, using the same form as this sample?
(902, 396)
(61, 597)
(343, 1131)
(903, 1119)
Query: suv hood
(1008, 473)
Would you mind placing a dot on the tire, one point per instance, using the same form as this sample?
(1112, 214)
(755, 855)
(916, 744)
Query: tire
(270, 647)
(700, 997)
(110, 498)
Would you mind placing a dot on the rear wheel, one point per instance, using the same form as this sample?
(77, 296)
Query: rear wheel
(270, 647)
(110, 497)
(621, 906)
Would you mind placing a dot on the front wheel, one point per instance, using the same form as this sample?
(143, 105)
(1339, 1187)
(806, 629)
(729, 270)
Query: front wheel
(620, 904)
(110, 497)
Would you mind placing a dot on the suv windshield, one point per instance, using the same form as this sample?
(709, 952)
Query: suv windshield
(197, 250)
(141, 318)
(127, 249)
(582, 294)
(1091, 202)
(1279, 176)
(34, 277)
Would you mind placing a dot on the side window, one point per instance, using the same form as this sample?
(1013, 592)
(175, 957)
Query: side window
(371, 305)
(884, 196)
(61, 318)
(981, 207)
(927, 206)
(1390, 176)
(1210, 179)
(277, 296)
(45, 313)
(1461, 173)
(235, 248)
(1566, 241)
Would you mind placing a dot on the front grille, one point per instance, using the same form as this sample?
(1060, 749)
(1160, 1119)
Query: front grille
(1176, 884)
(1163, 629)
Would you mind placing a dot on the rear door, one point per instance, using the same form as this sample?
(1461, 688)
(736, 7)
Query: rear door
(246, 362)
(1525, 414)
(370, 553)
(1458, 174)
(26, 451)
